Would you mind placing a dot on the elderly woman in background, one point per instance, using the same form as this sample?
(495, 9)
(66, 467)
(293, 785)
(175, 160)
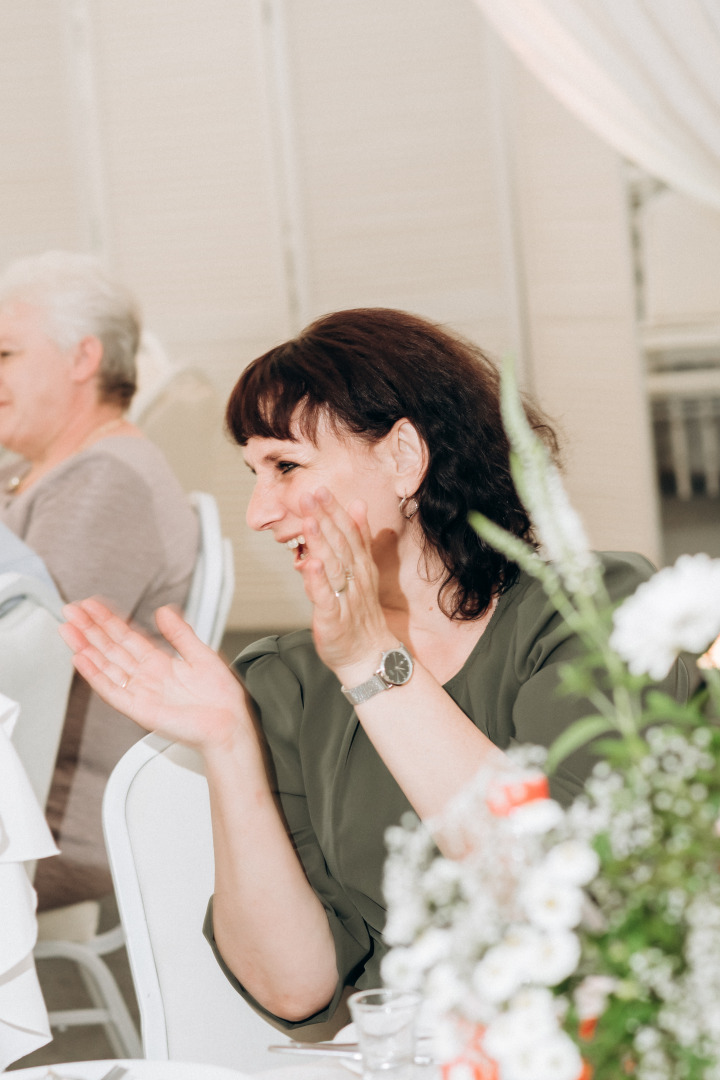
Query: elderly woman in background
(371, 436)
(96, 500)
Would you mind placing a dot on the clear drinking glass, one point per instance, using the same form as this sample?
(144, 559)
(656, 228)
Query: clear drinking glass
(385, 1023)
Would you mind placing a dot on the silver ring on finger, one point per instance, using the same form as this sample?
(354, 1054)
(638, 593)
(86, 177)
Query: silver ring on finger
(349, 576)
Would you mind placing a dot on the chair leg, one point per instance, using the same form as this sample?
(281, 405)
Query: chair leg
(111, 1010)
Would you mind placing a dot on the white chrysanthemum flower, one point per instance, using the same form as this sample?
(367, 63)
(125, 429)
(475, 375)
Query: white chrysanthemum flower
(400, 969)
(555, 1057)
(445, 991)
(536, 817)
(531, 1017)
(677, 610)
(501, 972)
(407, 917)
(572, 861)
(557, 955)
(441, 881)
(549, 903)
(432, 946)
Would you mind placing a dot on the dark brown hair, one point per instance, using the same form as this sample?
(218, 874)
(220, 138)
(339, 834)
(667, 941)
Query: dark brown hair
(367, 368)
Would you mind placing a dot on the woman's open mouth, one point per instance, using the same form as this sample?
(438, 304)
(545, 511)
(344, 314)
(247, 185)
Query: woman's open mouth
(297, 544)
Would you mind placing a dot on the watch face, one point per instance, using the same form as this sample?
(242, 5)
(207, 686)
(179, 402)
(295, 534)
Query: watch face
(397, 667)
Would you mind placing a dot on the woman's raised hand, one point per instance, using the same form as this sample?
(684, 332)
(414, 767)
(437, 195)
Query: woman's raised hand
(341, 581)
(192, 697)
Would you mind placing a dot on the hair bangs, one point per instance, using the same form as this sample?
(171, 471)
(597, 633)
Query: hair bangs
(271, 402)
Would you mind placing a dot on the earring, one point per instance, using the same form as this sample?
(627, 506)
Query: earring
(409, 506)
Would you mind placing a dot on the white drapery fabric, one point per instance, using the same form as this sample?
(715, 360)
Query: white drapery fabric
(643, 74)
(24, 837)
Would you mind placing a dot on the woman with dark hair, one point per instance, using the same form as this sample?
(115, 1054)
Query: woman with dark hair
(371, 436)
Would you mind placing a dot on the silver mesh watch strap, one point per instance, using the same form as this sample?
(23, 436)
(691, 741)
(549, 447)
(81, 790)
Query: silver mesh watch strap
(365, 690)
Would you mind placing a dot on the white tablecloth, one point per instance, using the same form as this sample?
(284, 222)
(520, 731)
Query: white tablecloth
(137, 1070)
(24, 837)
(179, 1070)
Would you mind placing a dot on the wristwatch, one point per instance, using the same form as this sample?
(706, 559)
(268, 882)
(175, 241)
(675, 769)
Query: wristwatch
(396, 668)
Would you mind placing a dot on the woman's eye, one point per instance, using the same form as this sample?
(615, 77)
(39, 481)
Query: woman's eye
(286, 466)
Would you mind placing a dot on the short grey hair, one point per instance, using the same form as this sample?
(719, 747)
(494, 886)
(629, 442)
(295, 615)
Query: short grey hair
(78, 298)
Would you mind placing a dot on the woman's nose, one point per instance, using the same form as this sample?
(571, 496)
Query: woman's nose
(262, 509)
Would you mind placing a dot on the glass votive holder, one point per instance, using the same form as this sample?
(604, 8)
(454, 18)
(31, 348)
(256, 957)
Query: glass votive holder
(385, 1022)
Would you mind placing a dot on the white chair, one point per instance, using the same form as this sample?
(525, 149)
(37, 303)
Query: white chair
(156, 816)
(213, 582)
(36, 670)
(70, 932)
(181, 411)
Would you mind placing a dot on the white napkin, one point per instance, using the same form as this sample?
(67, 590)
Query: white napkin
(24, 833)
(24, 837)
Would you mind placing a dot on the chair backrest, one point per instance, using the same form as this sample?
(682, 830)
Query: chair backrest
(213, 581)
(180, 409)
(156, 816)
(35, 670)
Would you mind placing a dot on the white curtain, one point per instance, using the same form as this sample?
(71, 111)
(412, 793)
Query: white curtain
(643, 74)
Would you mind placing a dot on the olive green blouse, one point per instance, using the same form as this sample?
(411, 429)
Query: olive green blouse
(337, 795)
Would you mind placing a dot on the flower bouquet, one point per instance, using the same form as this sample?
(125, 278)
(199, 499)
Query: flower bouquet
(554, 944)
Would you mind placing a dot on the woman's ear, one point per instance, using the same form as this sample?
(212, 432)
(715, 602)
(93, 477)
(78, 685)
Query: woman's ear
(86, 359)
(409, 455)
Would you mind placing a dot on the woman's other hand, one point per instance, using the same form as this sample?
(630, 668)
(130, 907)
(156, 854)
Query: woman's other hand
(192, 696)
(342, 581)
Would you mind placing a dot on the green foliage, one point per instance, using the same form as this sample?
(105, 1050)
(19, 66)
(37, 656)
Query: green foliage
(655, 800)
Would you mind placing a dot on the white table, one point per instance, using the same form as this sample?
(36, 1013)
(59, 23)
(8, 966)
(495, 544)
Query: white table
(308, 1069)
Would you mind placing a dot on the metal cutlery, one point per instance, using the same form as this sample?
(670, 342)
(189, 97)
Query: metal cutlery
(340, 1050)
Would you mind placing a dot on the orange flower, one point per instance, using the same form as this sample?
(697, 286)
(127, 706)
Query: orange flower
(473, 1063)
(503, 798)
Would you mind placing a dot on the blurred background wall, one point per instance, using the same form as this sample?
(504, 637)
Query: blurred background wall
(246, 165)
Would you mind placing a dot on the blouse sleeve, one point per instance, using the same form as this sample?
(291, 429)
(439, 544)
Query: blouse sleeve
(94, 526)
(541, 713)
(279, 700)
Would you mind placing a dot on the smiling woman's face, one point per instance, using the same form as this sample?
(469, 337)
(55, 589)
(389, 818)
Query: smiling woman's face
(35, 384)
(348, 466)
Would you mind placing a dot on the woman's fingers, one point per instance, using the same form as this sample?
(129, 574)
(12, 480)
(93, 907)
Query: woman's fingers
(333, 537)
(178, 633)
(340, 526)
(106, 631)
(72, 637)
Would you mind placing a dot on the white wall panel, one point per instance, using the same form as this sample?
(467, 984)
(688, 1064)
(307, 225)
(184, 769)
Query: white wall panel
(193, 217)
(245, 164)
(587, 367)
(397, 182)
(38, 190)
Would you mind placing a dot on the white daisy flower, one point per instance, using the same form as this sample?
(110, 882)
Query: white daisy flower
(531, 1017)
(553, 1058)
(556, 956)
(549, 903)
(502, 971)
(677, 609)
(572, 861)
